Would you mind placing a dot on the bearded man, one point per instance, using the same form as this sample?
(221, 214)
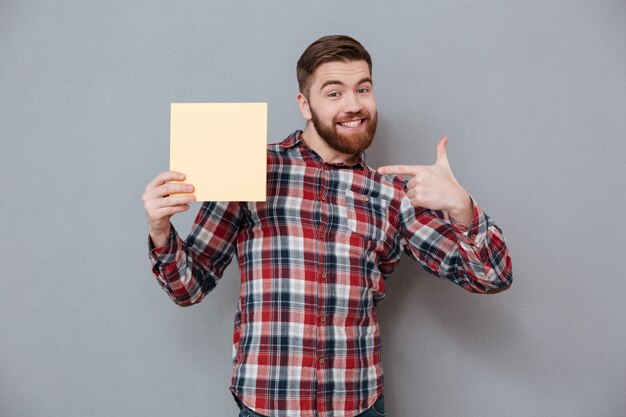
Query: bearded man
(314, 257)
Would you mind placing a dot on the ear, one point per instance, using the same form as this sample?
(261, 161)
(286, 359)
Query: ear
(303, 103)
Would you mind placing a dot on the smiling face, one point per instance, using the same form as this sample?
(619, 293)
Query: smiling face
(341, 105)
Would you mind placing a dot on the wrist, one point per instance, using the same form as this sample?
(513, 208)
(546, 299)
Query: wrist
(159, 236)
(463, 209)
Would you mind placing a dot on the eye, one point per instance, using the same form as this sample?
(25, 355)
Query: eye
(363, 90)
(333, 94)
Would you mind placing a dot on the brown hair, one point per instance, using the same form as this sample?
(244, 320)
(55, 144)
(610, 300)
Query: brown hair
(328, 49)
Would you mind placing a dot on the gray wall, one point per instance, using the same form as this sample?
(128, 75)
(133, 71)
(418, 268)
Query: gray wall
(532, 95)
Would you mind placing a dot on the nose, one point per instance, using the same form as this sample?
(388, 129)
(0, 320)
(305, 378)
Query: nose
(352, 103)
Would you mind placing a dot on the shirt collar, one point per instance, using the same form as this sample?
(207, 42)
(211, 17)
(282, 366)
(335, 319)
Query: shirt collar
(296, 139)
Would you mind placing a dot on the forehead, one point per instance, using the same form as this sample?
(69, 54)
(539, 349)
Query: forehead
(347, 72)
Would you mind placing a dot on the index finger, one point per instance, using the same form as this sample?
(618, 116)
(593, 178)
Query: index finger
(164, 177)
(398, 170)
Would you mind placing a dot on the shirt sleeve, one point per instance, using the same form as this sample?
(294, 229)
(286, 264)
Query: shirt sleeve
(188, 270)
(474, 257)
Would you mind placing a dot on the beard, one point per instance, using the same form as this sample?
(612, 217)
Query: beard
(352, 144)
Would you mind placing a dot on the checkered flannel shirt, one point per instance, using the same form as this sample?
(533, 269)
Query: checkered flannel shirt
(314, 258)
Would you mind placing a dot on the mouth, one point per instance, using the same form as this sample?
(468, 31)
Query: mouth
(352, 124)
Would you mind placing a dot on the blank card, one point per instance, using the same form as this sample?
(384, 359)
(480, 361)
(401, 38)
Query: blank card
(221, 148)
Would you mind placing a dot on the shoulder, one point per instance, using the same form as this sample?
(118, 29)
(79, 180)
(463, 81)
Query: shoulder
(284, 155)
(279, 154)
(275, 148)
(286, 146)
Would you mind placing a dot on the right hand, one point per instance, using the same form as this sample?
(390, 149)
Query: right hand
(160, 204)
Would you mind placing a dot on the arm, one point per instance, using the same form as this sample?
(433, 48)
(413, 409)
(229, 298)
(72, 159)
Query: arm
(443, 228)
(475, 257)
(188, 270)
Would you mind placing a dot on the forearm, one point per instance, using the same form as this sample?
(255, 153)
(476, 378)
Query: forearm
(179, 272)
(188, 270)
(484, 262)
(473, 255)
(485, 269)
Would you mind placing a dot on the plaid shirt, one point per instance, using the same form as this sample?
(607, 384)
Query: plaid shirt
(314, 258)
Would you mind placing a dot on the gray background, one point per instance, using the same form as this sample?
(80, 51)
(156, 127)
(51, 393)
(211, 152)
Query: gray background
(532, 95)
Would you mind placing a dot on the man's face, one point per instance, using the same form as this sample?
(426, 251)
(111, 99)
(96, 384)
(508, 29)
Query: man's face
(342, 105)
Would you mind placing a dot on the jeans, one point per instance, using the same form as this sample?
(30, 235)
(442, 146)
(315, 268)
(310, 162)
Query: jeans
(377, 410)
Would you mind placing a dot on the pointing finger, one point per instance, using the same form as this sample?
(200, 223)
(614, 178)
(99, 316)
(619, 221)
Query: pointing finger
(397, 170)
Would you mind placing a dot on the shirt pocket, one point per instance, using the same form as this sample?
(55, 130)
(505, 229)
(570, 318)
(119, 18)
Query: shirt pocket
(363, 214)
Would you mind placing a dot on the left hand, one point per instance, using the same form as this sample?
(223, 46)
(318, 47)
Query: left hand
(434, 186)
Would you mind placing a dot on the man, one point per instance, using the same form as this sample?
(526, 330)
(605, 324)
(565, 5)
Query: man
(315, 255)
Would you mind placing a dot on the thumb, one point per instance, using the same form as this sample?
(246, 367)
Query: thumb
(442, 152)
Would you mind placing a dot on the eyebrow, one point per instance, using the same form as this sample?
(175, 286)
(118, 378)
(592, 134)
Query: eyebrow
(340, 83)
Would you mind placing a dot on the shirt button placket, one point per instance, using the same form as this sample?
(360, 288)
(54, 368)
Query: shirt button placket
(322, 234)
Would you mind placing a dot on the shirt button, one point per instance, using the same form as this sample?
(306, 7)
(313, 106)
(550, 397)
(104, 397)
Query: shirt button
(472, 235)
(323, 319)
(321, 360)
(366, 199)
(323, 275)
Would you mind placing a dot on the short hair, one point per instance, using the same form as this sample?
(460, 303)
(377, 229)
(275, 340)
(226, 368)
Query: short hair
(327, 49)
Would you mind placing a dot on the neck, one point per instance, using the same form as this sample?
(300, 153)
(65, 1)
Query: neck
(314, 141)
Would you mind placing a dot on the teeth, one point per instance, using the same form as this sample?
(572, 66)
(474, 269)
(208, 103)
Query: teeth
(353, 123)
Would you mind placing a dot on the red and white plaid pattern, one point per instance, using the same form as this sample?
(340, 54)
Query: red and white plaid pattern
(314, 258)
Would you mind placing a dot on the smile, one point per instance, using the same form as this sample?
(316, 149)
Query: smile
(352, 123)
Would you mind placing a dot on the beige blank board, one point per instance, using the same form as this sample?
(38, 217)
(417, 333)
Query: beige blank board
(221, 148)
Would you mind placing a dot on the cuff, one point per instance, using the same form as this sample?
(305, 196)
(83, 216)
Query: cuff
(165, 254)
(475, 233)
